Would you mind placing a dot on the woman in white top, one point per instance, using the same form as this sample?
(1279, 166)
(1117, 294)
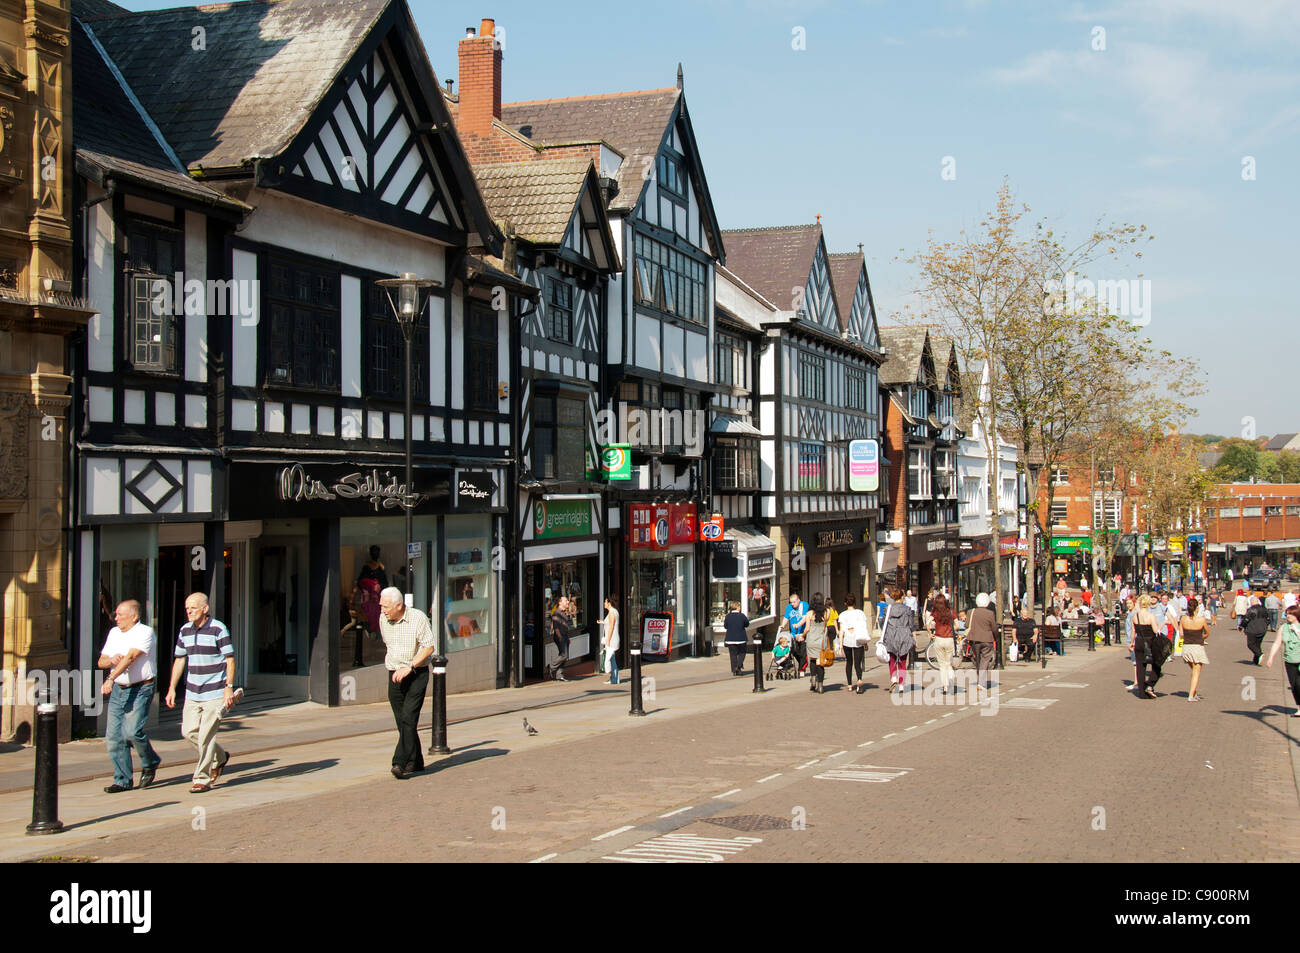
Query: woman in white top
(855, 639)
(609, 639)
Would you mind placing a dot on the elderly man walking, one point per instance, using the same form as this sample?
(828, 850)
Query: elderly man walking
(982, 635)
(129, 657)
(408, 636)
(204, 648)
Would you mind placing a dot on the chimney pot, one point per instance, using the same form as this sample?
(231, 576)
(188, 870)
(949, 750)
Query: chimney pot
(487, 27)
(469, 31)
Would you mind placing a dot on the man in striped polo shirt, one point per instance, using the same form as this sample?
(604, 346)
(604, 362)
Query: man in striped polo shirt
(204, 646)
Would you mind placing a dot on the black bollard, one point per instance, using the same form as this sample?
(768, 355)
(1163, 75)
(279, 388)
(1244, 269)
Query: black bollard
(438, 744)
(758, 663)
(358, 632)
(636, 679)
(1092, 634)
(45, 791)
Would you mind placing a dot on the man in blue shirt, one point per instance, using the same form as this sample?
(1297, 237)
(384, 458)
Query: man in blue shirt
(796, 621)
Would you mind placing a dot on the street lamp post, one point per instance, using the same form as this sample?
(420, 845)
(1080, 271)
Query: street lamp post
(407, 296)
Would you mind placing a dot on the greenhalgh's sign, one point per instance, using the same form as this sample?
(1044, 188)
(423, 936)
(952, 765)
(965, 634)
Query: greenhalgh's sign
(616, 461)
(561, 518)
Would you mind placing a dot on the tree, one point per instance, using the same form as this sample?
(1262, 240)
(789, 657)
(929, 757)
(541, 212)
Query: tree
(1240, 461)
(1175, 485)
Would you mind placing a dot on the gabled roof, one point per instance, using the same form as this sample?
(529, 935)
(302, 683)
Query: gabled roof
(773, 260)
(1280, 441)
(845, 270)
(266, 66)
(904, 346)
(538, 200)
(946, 366)
(634, 123)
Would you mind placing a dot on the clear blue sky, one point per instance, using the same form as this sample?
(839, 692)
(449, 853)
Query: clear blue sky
(1151, 129)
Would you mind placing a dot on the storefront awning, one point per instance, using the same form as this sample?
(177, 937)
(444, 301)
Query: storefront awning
(749, 542)
(734, 426)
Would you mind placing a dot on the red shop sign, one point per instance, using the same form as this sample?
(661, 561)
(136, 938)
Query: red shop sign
(682, 523)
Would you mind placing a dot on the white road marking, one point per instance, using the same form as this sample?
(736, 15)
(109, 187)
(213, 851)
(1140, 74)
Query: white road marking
(869, 773)
(617, 830)
(543, 858)
(865, 743)
(913, 728)
(891, 734)
(680, 810)
(835, 755)
(808, 765)
(684, 849)
(768, 778)
(1037, 704)
(932, 721)
(1069, 684)
(727, 793)
(950, 714)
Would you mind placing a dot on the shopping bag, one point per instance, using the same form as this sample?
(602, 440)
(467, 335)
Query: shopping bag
(1013, 652)
(882, 654)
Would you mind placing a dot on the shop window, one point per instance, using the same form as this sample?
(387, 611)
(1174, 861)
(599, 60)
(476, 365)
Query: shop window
(303, 330)
(386, 363)
(664, 582)
(629, 391)
(151, 260)
(469, 595)
(721, 596)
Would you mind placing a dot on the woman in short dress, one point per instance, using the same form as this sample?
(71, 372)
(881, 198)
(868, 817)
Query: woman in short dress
(1196, 630)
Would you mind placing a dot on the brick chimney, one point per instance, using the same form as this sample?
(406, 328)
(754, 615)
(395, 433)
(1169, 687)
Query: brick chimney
(480, 80)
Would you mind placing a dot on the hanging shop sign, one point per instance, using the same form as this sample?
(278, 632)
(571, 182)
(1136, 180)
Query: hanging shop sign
(864, 466)
(711, 529)
(474, 490)
(656, 633)
(681, 520)
(616, 461)
(557, 518)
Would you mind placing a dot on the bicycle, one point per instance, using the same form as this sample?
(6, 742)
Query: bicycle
(962, 654)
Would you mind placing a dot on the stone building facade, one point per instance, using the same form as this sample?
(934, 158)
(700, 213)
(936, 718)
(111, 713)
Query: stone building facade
(37, 315)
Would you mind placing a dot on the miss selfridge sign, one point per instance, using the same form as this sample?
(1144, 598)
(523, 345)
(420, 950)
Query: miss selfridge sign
(381, 489)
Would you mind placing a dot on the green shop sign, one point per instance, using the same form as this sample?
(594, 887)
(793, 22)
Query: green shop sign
(561, 518)
(1068, 545)
(616, 461)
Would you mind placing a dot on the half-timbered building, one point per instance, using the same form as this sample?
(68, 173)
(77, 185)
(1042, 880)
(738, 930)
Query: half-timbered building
(658, 341)
(817, 394)
(920, 382)
(244, 391)
(742, 563)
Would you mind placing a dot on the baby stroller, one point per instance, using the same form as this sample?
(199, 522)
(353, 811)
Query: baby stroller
(782, 665)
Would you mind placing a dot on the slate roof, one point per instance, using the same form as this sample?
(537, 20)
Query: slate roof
(1280, 441)
(634, 123)
(904, 346)
(773, 260)
(845, 270)
(267, 65)
(537, 197)
(945, 357)
(111, 137)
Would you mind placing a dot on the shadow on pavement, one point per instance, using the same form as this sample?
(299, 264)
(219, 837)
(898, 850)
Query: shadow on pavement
(113, 817)
(456, 760)
(1259, 717)
(241, 773)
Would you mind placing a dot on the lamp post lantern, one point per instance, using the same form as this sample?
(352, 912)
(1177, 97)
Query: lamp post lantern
(407, 296)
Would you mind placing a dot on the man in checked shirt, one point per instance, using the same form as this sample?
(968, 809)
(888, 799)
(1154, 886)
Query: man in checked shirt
(409, 639)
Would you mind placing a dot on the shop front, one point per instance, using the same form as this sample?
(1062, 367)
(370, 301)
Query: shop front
(742, 568)
(1071, 559)
(332, 537)
(661, 577)
(932, 560)
(975, 570)
(561, 556)
(837, 559)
